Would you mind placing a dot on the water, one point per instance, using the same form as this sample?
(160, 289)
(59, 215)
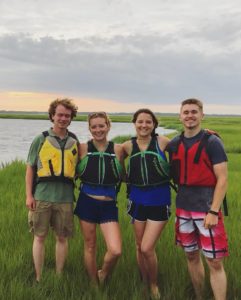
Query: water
(16, 135)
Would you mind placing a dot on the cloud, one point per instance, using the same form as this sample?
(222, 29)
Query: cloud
(125, 68)
(128, 51)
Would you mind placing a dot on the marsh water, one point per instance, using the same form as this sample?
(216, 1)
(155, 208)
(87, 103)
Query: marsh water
(16, 135)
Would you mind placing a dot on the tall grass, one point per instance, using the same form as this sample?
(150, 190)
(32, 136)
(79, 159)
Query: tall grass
(16, 267)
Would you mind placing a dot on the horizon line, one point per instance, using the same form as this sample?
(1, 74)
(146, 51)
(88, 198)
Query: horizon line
(111, 113)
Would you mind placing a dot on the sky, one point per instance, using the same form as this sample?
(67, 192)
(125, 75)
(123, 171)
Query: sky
(120, 55)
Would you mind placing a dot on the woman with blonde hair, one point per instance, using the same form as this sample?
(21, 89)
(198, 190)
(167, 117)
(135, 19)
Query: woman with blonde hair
(100, 170)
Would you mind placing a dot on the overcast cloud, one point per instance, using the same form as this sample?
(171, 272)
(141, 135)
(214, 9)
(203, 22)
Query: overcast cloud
(128, 51)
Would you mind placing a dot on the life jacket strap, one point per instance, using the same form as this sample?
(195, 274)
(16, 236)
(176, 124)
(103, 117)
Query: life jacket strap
(225, 206)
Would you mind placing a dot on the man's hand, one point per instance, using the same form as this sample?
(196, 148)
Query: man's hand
(210, 221)
(31, 203)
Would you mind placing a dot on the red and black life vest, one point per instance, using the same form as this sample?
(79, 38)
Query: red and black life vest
(192, 166)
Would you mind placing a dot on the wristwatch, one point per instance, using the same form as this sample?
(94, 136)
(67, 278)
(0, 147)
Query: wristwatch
(213, 212)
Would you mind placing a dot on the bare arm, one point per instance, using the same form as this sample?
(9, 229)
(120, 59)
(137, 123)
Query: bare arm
(163, 142)
(127, 148)
(83, 149)
(30, 201)
(221, 173)
(120, 154)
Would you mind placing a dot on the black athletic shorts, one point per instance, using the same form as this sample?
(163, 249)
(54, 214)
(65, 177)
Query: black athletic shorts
(143, 213)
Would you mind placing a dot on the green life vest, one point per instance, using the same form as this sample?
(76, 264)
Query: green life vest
(147, 168)
(100, 168)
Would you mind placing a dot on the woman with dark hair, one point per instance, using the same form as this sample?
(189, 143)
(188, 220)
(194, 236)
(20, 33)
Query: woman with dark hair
(149, 192)
(100, 170)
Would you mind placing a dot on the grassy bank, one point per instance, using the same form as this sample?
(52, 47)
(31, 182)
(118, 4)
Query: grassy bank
(79, 117)
(16, 268)
(164, 120)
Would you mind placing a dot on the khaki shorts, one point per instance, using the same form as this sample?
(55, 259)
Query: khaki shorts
(57, 215)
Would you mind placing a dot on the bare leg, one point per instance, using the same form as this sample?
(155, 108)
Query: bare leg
(112, 236)
(151, 235)
(61, 251)
(139, 228)
(38, 255)
(196, 271)
(217, 278)
(89, 234)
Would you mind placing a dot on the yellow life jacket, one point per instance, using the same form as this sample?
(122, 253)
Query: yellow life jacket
(56, 163)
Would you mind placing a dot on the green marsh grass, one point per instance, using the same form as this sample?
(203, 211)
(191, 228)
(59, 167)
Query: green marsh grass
(44, 116)
(16, 266)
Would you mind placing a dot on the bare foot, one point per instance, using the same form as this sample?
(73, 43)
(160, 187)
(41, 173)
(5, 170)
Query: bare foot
(101, 277)
(155, 293)
(94, 283)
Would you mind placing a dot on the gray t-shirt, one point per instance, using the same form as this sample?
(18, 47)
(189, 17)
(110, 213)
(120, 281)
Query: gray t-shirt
(199, 198)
